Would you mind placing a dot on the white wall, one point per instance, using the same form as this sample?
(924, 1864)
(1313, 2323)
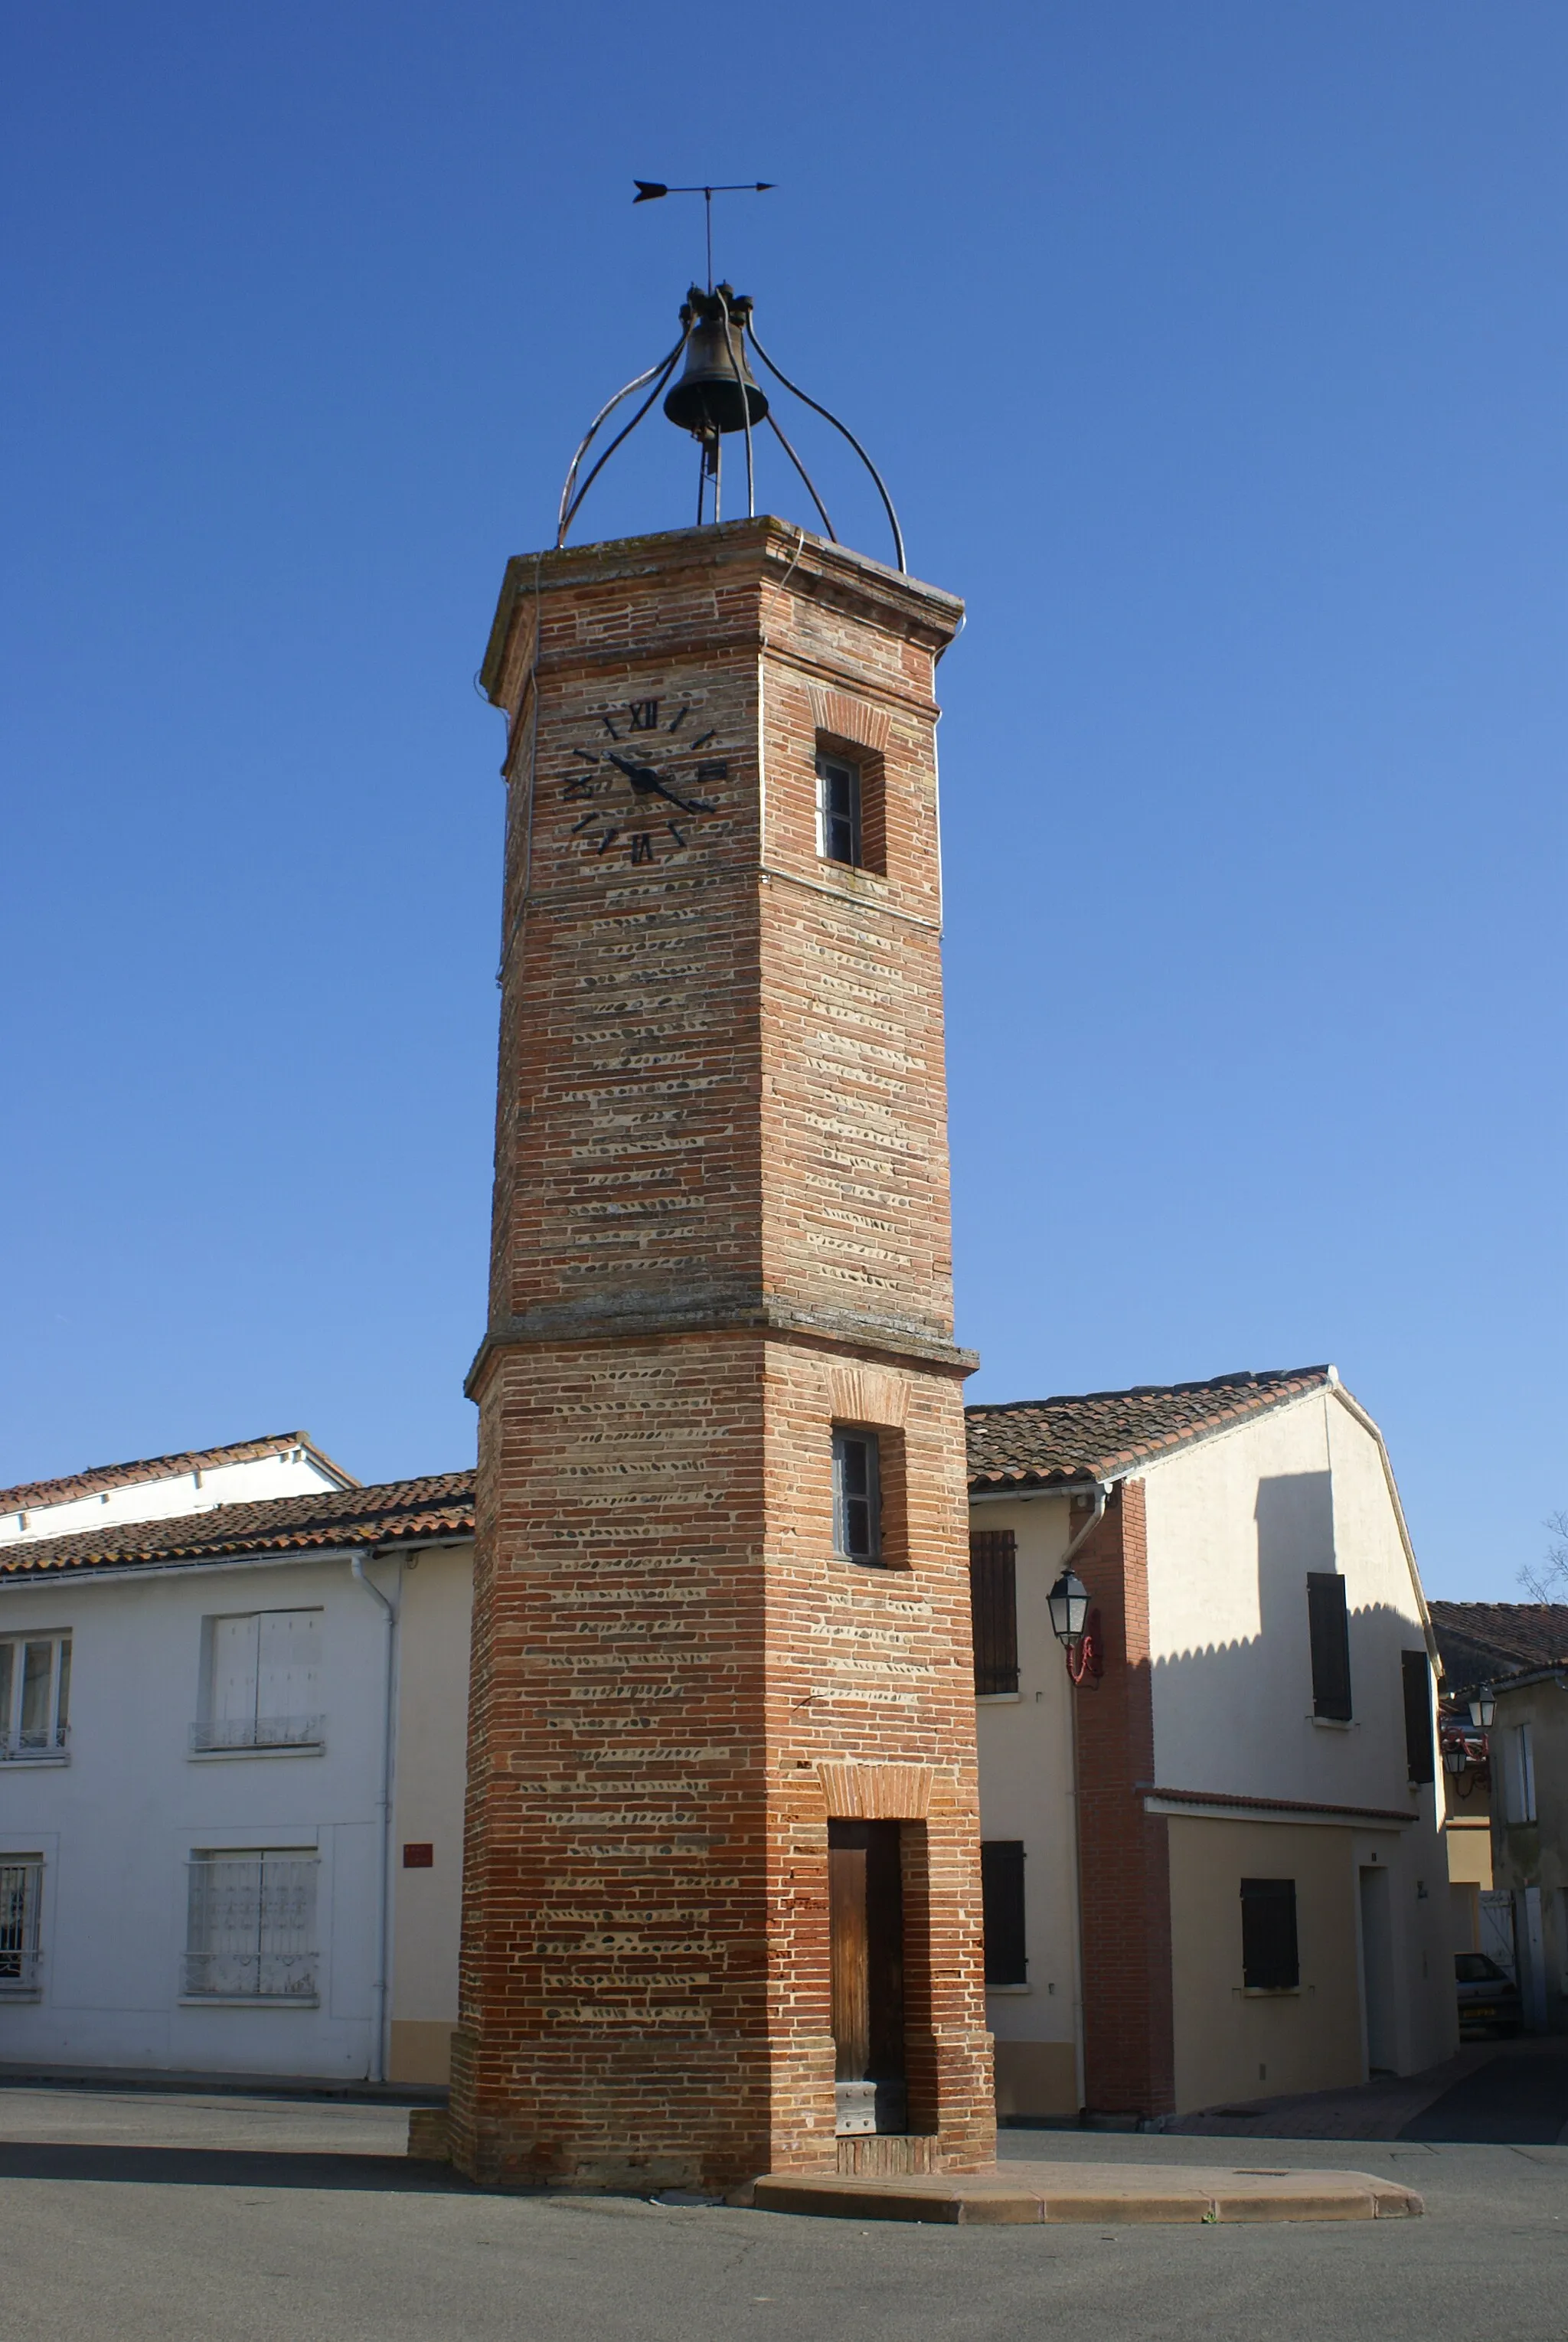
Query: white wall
(1027, 1791)
(291, 1472)
(1234, 1525)
(437, 1614)
(118, 1822)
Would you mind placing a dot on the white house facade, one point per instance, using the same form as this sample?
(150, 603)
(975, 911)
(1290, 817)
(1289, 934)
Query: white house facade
(231, 1780)
(1214, 1868)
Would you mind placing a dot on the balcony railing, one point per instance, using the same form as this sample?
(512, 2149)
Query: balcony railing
(32, 1747)
(250, 1976)
(212, 1734)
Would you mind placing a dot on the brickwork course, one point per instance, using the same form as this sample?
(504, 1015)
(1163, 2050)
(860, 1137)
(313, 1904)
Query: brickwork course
(721, 1226)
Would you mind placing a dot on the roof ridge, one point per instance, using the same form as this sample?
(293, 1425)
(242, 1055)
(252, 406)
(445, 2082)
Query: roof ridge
(97, 1477)
(1244, 1378)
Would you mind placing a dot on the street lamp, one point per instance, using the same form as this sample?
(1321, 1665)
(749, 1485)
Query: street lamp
(1069, 1602)
(1076, 1628)
(1483, 1708)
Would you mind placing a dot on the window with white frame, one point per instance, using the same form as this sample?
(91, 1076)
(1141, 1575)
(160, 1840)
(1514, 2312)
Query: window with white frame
(262, 1682)
(838, 810)
(21, 1901)
(250, 1931)
(856, 1495)
(35, 1695)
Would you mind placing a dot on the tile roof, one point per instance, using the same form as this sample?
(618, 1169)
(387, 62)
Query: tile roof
(1483, 1641)
(401, 1512)
(102, 1476)
(1038, 1443)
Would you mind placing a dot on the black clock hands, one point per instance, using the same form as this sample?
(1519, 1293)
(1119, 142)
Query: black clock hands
(647, 784)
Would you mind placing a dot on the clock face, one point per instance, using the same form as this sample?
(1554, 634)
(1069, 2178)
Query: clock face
(644, 784)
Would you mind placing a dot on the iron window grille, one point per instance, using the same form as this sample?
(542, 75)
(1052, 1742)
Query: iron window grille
(21, 1903)
(856, 1495)
(994, 1610)
(251, 1927)
(838, 811)
(217, 1733)
(34, 1697)
(1271, 1961)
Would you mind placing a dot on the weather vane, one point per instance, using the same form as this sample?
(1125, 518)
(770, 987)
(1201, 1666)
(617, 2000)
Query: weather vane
(650, 190)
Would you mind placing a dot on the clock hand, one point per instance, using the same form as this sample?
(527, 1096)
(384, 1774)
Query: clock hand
(646, 783)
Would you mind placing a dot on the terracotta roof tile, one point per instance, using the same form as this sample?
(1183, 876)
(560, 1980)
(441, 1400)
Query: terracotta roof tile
(103, 1476)
(1044, 1442)
(1480, 1642)
(400, 1512)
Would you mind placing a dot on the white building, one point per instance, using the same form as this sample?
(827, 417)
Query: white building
(1214, 1868)
(233, 1744)
(231, 1739)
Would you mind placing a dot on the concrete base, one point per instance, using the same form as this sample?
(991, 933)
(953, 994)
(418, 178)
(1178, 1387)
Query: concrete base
(1104, 2193)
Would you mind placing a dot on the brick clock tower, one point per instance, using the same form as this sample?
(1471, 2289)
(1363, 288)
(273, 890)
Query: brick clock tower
(722, 1875)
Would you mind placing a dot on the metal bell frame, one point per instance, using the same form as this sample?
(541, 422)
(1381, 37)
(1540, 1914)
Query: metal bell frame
(734, 311)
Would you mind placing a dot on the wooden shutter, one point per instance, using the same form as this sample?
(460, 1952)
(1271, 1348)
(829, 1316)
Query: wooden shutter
(994, 1608)
(1330, 1629)
(1417, 1715)
(1002, 1901)
(1270, 1961)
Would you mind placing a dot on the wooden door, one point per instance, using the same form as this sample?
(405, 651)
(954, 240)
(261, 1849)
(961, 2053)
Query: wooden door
(865, 1939)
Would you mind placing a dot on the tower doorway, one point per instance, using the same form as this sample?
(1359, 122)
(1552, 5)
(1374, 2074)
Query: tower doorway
(865, 1940)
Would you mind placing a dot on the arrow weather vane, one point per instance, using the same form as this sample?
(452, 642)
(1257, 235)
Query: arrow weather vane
(650, 190)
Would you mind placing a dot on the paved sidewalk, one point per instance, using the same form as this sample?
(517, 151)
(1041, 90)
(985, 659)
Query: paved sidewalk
(1106, 2195)
(1504, 2092)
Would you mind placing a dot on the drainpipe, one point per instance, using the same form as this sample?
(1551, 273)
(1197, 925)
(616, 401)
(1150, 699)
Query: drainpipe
(378, 2054)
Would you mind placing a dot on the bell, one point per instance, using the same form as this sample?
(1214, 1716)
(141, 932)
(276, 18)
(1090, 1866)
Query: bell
(711, 395)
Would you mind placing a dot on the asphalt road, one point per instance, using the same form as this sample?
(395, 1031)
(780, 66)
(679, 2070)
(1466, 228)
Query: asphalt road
(136, 2219)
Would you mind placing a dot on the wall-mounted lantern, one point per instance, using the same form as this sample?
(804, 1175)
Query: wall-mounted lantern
(1076, 1628)
(1483, 1708)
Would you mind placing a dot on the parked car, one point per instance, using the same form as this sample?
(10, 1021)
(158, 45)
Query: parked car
(1488, 1996)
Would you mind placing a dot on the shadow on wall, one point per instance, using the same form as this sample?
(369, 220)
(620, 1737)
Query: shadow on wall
(1238, 1716)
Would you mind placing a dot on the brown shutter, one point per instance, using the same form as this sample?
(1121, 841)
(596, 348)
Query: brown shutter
(994, 1608)
(1329, 1630)
(1417, 1715)
(1002, 1894)
(1270, 1959)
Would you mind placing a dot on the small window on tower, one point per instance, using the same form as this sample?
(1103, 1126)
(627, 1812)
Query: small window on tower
(838, 811)
(856, 1495)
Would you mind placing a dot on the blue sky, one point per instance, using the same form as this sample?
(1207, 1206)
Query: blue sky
(1216, 353)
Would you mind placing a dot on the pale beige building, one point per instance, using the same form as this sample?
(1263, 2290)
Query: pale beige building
(1214, 1868)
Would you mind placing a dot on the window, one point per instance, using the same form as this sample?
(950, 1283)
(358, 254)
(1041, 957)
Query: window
(262, 1681)
(838, 795)
(21, 1898)
(1329, 1629)
(1002, 1902)
(1522, 1798)
(994, 1610)
(1270, 1962)
(251, 1927)
(1418, 1716)
(856, 1495)
(35, 1695)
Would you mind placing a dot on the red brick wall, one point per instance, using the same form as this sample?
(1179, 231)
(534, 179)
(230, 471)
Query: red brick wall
(1124, 1891)
(721, 1223)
